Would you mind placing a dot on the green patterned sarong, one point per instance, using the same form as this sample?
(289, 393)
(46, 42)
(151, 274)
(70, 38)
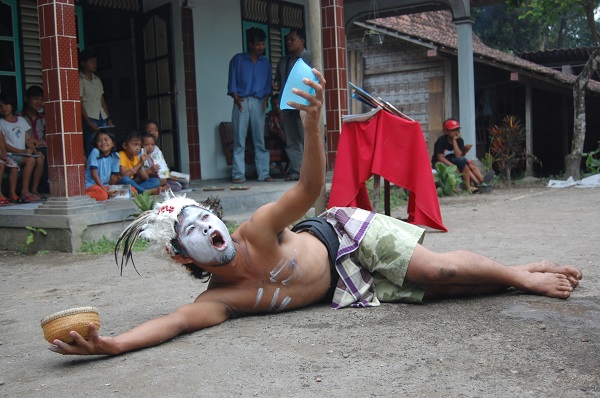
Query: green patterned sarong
(385, 251)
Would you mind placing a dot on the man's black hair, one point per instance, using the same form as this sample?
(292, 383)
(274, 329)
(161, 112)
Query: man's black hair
(255, 34)
(86, 55)
(34, 91)
(300, 33)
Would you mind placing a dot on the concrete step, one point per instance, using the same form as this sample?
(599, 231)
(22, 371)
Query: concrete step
(68, 225)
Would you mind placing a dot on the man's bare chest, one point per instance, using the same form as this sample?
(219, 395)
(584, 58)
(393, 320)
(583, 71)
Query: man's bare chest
(294, 275)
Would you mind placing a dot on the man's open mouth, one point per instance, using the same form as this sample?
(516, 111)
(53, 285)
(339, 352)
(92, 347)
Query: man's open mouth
(217, 240)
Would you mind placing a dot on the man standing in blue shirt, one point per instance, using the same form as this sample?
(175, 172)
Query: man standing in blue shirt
(250, 86)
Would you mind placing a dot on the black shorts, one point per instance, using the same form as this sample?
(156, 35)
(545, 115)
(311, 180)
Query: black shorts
(323, 231)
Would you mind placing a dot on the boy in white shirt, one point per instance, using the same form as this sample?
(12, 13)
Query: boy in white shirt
(150, 127)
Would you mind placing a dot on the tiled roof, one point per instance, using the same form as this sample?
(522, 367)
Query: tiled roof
(436, 27)
(558, 56)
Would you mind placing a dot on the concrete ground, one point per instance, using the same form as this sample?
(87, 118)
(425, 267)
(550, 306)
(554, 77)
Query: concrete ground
(506, 345)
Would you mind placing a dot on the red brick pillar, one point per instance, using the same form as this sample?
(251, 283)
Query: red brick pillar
(334, 63)
(191, 103)
(61, 89)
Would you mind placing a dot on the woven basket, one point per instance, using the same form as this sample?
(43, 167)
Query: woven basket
(58, 325)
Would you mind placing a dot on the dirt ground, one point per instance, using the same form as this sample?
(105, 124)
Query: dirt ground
(506, 345)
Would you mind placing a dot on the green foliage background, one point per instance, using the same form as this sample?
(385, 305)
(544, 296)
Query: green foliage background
(531, 25)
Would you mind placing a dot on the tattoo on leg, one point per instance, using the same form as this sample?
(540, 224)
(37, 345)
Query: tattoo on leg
(444, 274)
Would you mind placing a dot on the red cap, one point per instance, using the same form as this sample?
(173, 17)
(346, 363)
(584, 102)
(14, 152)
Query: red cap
(451, 124)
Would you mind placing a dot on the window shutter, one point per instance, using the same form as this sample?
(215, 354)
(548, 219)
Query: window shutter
(32, 58)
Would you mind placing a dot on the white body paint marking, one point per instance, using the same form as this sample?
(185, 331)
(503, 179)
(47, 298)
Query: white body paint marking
(274, 301)
(288, 279)
(283, 264)
(259, 295)
(278, 268)
(284, 303)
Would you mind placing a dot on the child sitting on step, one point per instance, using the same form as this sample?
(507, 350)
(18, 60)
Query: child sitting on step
(131, 163)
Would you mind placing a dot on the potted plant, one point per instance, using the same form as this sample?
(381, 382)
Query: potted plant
(373, 37)
(507, 146)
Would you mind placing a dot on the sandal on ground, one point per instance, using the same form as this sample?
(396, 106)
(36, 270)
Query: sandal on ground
(473, 190)
(268, 179)
(13, 199)
(292, 178)
(6, 202)
(489, 177)
(29, 198)
(237, 181)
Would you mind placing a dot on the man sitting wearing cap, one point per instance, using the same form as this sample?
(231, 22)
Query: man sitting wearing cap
(450, 149)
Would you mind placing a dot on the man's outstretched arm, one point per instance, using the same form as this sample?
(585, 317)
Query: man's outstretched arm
(185, 319)
(294, 204)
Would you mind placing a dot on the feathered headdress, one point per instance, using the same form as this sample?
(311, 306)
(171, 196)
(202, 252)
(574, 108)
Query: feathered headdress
(156, 225)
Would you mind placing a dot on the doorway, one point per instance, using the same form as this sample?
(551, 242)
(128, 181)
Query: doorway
(135, 64)
(158, 92)
(114, 49)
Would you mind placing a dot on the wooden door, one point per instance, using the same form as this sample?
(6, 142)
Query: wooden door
(158, 88)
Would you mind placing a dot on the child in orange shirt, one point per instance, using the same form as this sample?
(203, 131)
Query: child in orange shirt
(131, 164)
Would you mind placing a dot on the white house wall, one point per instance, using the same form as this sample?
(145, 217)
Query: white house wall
(217, 37)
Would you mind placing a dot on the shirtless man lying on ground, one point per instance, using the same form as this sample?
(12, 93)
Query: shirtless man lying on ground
(265, 267)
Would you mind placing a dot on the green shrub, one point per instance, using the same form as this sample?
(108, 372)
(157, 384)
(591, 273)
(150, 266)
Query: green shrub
(487, 161)
(144, 202)
(592, 163)
(398, 195)
(105, 246)
(507, 146)
(447, 180)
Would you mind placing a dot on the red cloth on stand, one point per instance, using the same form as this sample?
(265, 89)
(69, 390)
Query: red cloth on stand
(395, 149)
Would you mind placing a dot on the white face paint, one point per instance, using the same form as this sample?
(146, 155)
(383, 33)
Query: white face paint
(204, 237)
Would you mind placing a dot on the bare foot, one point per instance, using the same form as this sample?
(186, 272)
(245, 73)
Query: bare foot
(572, 273)
(546, 284)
